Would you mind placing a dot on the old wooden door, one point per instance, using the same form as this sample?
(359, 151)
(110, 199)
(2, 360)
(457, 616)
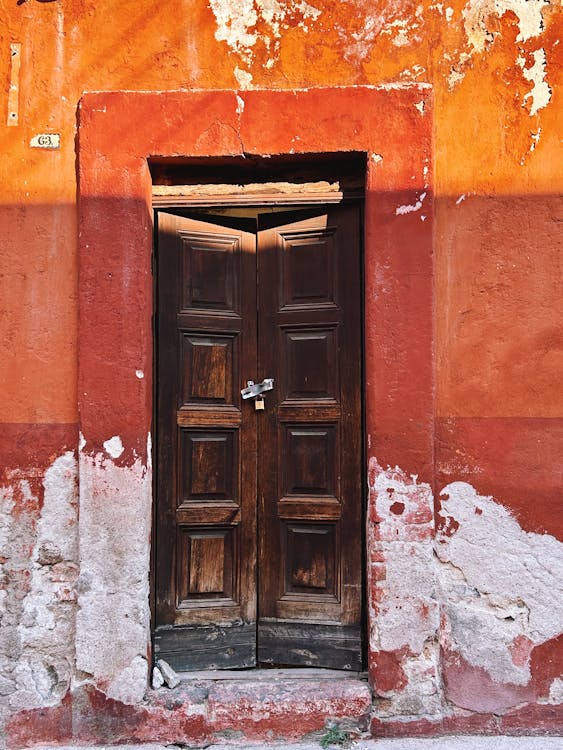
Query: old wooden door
(258, 537)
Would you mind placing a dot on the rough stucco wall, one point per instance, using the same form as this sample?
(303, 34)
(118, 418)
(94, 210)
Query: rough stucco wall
(38, 570)
(495, 67)
(465, 614)
(115, 657)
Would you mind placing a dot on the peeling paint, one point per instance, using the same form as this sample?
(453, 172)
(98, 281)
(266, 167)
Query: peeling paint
(499, 583)
(535, 138)
(242, 23)
(540, 93)
(113, 587)
(14, 90)
(480, 23)
(476, 16)
(556, 692)
(400, 210)
(489, 591)
(457, 70)
(414, 73)
(114, 446)
(404, 609)
(500, 60)
(37, 618)
(243, 78)
(234, 22)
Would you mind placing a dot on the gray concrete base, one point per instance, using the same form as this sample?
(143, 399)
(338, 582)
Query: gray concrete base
(466, 742)
(436, 743)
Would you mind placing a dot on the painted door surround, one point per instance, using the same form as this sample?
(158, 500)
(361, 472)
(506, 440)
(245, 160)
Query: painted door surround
(118, 133)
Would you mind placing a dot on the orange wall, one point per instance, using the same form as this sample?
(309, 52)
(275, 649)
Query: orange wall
(497, 161)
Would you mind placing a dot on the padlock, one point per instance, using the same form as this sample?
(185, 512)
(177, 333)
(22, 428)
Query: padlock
(259, 403)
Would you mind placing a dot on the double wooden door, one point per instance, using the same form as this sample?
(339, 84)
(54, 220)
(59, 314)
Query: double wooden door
(258, 534)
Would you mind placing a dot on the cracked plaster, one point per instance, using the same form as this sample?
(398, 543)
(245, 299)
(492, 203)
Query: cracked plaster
(497, 588)
(38, 604)
(508, 583)
(113, 587)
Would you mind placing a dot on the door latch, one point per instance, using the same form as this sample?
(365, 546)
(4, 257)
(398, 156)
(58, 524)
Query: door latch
(253, 390)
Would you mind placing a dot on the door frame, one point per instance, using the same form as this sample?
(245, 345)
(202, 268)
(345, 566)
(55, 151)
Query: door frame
(118, 133)
(293, 201)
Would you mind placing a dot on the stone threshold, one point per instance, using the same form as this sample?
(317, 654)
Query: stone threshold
(268, 704)
(202, 711)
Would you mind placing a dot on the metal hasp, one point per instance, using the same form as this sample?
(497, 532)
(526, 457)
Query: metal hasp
(255, 389)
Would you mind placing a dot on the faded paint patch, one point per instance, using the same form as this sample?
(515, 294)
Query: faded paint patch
(391, 21)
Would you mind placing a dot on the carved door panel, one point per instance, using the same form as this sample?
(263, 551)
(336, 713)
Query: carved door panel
(310, 440)
(258, 538)
(206, 446)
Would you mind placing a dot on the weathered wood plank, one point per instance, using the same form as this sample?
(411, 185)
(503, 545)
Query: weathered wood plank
(213, 647)
(310, 644)
(208, 417)
(203, 514)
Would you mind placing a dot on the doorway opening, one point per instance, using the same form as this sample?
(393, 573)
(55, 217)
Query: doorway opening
(258, 556)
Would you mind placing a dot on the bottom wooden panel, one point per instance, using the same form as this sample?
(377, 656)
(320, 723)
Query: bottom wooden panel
(302, 644)
(206, 566)
(187, 649)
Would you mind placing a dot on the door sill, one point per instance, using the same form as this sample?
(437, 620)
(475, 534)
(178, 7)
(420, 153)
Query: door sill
(269, 674)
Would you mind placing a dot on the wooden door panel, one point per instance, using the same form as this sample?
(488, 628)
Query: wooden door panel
(209, 557)
(308, 460)
(310, 559)
(209, 369)
(307, 268)
(305, 333)
(308, 367)
(206, 529)
(208, 466)
(309, 437)
(211, 271)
